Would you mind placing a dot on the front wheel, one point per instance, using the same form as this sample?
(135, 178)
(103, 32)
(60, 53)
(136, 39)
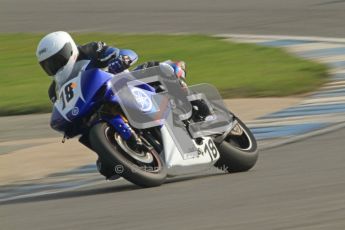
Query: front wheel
(238, 151)
(140, 165)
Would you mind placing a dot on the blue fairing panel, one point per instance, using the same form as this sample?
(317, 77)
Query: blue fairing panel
(92, 81)
(57, 121)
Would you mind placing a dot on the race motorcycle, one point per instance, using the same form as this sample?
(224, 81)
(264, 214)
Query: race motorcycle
(146, 126)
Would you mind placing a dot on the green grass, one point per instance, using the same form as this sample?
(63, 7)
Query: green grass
(238, 70)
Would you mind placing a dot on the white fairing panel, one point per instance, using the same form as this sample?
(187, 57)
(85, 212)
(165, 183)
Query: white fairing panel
(64, 104)
(70, 91)
(208, 155)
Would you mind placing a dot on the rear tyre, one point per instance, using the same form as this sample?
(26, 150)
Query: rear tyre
(238, 151)
(142, 167)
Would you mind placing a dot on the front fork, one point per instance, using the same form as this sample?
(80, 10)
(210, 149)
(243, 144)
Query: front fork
(151, 137)
(120, 124)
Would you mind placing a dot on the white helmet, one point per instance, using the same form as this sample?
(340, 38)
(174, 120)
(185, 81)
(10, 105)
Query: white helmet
(57, 54)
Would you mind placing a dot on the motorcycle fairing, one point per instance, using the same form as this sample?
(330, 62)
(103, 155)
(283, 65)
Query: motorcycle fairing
(169, 107)
(144, 107)
(76, 98)
(175, 161)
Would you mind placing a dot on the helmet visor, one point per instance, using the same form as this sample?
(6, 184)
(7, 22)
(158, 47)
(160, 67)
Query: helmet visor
(52, 64)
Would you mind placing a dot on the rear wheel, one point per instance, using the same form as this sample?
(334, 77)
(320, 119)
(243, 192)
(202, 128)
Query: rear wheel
(138, 163)
(238, 151)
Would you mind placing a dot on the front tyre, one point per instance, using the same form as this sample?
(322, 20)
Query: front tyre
(238, 151)
(142, 166)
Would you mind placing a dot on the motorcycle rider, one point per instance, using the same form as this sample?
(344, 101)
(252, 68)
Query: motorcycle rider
(62, 59)
(58, 55)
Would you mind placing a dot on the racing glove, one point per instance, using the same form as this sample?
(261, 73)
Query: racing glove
(125, 59)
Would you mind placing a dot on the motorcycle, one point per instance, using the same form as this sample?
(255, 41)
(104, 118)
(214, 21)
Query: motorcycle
(146, 126)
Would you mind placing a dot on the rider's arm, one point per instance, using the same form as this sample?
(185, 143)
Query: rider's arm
(103, 56)
(99, 53)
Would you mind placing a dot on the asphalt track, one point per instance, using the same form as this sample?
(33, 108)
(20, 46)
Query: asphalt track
(297, 186)
(284, 17)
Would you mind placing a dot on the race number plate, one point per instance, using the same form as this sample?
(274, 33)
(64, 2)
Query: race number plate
(210, 148)
(69, 94)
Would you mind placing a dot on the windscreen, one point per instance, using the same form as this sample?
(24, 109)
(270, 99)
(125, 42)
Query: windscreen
(136, 92)
(76, 71)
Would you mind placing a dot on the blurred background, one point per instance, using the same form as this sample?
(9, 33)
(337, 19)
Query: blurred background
(250, 71)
